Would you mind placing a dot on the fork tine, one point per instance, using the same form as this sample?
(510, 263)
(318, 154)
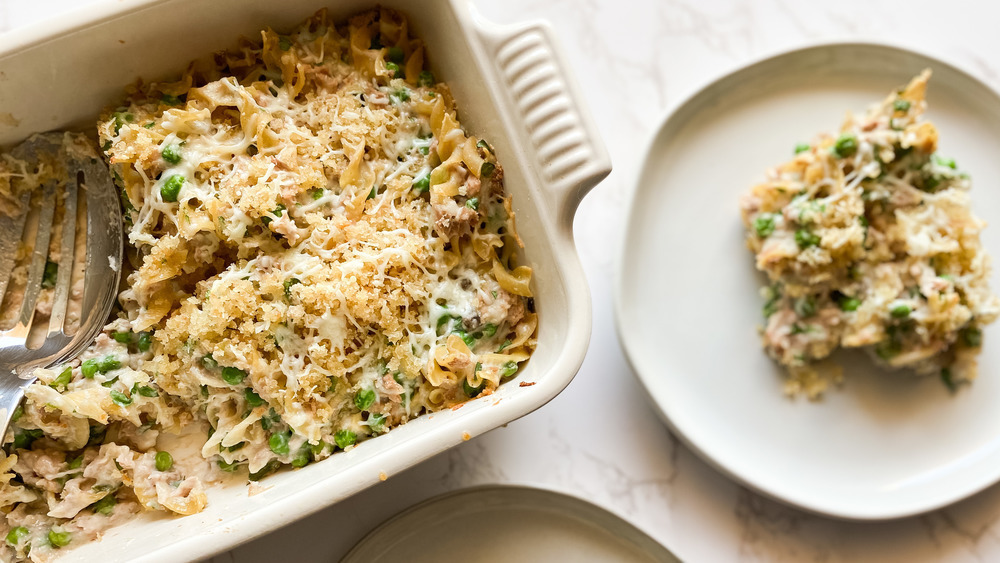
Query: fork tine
(12, 229)
(39, 255)
(67, 252)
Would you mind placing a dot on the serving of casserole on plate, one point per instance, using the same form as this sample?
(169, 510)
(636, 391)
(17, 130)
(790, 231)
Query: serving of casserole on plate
(869, 247)
(321, 252)
(868, 241)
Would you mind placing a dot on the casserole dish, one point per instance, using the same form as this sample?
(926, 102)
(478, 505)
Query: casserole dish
(510, 88)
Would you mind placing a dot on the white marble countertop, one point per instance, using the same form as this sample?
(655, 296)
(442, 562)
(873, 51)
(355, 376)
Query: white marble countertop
(635, 60)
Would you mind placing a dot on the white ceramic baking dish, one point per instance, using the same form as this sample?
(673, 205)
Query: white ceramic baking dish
(511, 87)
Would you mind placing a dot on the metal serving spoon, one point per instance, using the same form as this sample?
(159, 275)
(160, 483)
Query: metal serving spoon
(19, 355)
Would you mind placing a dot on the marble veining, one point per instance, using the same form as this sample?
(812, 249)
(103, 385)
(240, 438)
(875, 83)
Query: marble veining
(635, 59)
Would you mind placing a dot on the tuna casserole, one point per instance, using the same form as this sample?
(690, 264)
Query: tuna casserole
(868, 242)
(320, 253)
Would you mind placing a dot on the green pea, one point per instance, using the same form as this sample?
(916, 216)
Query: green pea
(320, 448)
(395, 70)
(426, 78)
(106, 505)
(472, 203)
(63, 379)
(171, 154)
(947, 162)
(900, 311)
(395, 54)
(18, 413)
(901, 105)
(802, 147)
(209, 362)
(402, 95)
(806, 238)
(270, 420)
(482, 144)
(850, 304)
(120, 399)
(487, 170)
(268, 469)
(302, 457)
(947, 380)
(163, 461)
(422, 184)
(171, 100)
(973, 337)
(50, 274)
(23, 438)
(764, 225)
(846, 145)
(145, 341)
(108, 363)
(345, 438)
(887, 349)
(317, 193)
(88, 368)
(279, 443)
(377, 423)
(284, 43)
(931, 182)
(122, 337)
(232, 375)
(171, 188)
(252, 399)
(16, 535)
(804, 307)
(508, 369)
(59, 539)
(97, 434)
(364, 399)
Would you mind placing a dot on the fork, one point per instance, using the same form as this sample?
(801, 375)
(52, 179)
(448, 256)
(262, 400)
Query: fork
(19, 354)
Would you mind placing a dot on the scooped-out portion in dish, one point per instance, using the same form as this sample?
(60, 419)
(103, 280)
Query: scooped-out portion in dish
(869, 242)
(319, 252)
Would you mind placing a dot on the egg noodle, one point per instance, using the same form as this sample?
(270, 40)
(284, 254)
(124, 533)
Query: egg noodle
(319, 253)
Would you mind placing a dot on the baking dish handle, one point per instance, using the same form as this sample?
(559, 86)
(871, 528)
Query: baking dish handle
(545, 102)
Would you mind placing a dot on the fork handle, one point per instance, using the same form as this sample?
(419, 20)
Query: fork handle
(11, 392)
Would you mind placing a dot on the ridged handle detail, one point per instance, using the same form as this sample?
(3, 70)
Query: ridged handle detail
(570, 156)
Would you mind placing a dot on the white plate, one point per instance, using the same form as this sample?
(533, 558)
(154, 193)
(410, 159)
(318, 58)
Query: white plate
(884, 445)
(496, 524)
